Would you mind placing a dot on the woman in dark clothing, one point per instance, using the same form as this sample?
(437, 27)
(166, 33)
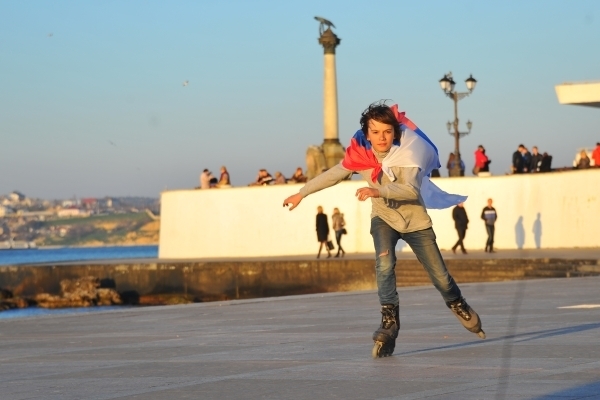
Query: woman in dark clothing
(460, 223)
(322, 231)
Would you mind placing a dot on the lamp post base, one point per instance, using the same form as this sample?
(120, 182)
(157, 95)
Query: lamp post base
(456, 170)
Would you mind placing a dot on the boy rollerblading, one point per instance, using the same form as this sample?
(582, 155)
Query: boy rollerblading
(395, 158)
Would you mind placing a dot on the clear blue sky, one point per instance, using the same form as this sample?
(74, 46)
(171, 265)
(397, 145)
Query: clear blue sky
(98, 108)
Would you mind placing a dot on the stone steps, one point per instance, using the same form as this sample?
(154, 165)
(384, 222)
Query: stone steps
(411, 273)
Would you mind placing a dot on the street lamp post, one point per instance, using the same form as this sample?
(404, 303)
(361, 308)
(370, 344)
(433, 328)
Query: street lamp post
(447, 84)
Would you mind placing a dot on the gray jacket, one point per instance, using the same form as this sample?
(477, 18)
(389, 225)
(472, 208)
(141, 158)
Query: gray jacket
(400, 204)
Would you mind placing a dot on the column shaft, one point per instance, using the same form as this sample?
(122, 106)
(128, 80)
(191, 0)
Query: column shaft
(330, 107)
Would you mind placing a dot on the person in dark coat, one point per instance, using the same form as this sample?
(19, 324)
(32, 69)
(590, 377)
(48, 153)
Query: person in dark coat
(536, 160)
(517, 160)
(459, 215)
(546, 165)
(322, 231)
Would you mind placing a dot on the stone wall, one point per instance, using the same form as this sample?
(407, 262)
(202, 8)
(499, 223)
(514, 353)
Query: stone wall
(552, 210)
(210, 281)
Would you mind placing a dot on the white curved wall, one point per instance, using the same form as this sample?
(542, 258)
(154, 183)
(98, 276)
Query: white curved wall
(251, 221)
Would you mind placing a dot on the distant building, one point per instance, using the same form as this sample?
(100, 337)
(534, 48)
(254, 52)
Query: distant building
(72, 212)
(17, 196)
(89, 203)
(68, 203)
(579, 93)
(4, 211)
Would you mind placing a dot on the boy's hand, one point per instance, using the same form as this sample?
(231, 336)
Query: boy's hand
(293, 200)
(363, 194)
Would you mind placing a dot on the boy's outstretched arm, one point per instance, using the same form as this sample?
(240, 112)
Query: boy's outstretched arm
(293, 200)
(327, 179)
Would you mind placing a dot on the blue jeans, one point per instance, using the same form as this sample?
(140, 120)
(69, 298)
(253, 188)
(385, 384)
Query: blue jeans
(490, 240)
(424, 246)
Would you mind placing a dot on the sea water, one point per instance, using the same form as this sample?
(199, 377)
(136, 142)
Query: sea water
(67, 254)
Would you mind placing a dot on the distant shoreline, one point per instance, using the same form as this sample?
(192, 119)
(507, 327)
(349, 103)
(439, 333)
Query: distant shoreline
(51, 247)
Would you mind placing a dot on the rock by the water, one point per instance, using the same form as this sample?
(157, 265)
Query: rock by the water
(82, 292)
(9, 302)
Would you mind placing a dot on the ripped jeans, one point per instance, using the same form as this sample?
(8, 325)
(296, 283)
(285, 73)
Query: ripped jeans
(424, 246)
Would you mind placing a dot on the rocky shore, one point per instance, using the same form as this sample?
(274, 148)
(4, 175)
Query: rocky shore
(87, 292)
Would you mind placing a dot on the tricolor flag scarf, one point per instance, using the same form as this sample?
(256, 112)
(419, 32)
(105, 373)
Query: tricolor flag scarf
(414, 150)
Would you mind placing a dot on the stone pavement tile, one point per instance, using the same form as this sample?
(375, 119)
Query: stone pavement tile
(278, 389)
(125, 353)
(205, 370)
(532, 390)
(39, 370)
(78, 389)
(391, 369)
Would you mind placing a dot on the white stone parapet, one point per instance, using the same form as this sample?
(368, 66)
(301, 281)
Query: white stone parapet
(549, 210)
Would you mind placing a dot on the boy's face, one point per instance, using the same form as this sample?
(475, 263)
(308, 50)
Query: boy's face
(380, 135)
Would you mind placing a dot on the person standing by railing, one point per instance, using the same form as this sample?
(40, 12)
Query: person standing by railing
(482, 161)
(596, 155)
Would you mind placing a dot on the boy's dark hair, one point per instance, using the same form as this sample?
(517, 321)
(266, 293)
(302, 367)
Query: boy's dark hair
(379, 112)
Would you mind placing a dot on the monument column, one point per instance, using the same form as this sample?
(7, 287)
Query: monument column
(332, 149)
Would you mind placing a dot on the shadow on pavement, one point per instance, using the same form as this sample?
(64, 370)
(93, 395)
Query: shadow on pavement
(526, 337)
(588, 391)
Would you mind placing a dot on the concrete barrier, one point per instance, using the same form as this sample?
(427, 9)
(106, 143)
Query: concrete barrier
(220, 280)
(551, 210)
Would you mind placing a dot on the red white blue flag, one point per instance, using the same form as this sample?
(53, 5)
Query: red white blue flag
(413, 150)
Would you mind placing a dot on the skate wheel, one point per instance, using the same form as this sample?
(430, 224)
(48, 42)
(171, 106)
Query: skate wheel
(481, 334)
(376, 349)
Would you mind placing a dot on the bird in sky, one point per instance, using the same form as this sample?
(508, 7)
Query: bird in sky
(50, 34)
(185, 83)
(110, 141)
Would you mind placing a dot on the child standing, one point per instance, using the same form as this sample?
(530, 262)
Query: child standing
(395, 158)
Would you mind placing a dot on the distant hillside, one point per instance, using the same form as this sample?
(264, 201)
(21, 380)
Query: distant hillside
(128, 228)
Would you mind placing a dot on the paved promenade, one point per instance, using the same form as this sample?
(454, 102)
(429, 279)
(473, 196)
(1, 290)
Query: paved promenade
(316, 347)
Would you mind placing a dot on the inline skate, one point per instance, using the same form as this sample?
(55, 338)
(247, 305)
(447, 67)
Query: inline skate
(467, 316)
(385, 336)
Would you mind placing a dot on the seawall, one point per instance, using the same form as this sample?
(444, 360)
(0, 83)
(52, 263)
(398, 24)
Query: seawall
(220, 280)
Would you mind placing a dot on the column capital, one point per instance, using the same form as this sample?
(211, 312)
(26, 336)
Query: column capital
(329, 41)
